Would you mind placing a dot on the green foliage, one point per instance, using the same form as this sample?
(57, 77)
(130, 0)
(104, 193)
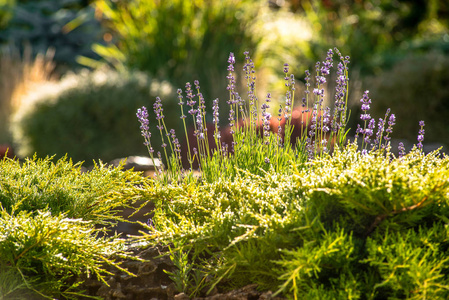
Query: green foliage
(67, 26)
(89, 116)
(331, 255)
(61, 188)
(180, 275)
(5, 12)
(343, 226)
(415, 88)
(46, 251)
(411, 265)
(219, 217)
(12, 285)
(179, 40)
(251, 156)
(52, 220)
(186, 277)
(371, 30)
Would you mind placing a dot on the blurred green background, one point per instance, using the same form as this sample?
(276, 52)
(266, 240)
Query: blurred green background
(399, 51)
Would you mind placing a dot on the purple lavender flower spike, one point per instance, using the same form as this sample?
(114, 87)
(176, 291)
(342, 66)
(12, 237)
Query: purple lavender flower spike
(292, 81)
(266, 117)
(307, 79)
(326, 120)
(179, 92)
(215, 111)
(142, 116)
(231, 59)
(231, 116)
(369, 131)
(318, 92)
(358, 131)
(177, 145)
(325, 68)
(268, 99)
(199, 125)
(421, 134)
(190, 96)
(266, 122)
(201, 102)
(230, 77)
(380, 131)
(366, 101)
(401, 149)
(286, 68)
(321, 79)
(391, 123)
(158, 110)
(181, 103)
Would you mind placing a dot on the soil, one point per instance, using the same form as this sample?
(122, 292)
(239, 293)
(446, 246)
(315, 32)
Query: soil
(152, 283)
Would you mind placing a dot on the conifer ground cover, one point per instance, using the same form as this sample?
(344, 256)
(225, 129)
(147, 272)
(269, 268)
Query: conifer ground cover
(52, 223)
(346, 226)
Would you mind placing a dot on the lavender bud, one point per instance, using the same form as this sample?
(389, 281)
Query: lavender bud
(401, 149)
(421, 134)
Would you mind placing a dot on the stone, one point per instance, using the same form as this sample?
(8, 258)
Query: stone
(6, 150)
(138, 163)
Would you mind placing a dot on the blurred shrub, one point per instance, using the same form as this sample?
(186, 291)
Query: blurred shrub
(91, 115)
(415, 89)
(180, 40)
(67, 26)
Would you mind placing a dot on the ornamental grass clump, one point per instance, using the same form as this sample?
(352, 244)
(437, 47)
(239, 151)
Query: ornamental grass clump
(327, 219)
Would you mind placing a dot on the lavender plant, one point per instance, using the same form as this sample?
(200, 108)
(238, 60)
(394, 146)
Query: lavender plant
(324, 130)
(246, 150)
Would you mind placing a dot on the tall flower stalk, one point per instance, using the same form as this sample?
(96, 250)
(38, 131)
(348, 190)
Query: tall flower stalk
(421, 134)
(183, 118)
